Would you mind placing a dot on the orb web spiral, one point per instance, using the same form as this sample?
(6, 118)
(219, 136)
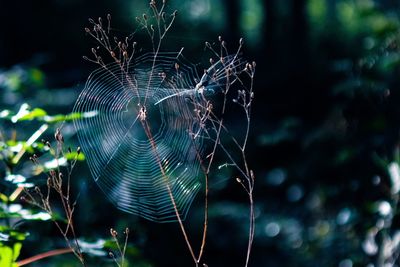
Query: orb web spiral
(141, 170)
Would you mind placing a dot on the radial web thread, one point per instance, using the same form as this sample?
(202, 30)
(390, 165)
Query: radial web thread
(135, 173)
(140, 146)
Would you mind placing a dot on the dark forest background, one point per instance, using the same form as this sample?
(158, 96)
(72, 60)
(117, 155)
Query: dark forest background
(324, 143)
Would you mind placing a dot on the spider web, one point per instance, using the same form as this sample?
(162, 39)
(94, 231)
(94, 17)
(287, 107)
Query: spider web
(137, 173)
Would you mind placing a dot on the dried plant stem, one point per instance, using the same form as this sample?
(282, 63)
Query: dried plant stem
(65, 200)
(213, 133)
(157, 25)
(47, 254)
(206, 191)
(156, 35)
(56, 183)
(161, 34)
(122, 250)
(205, 223)
(251, 227)
(146, 127)
(125, 245)
(249, 173)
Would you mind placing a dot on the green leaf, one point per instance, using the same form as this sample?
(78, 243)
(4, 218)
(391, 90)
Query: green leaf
(6, 256)
(12, 234)
(55, 118)
(75, 156)
(17, 250)
(35, 113)
(74, 115)
(24, 113)
(67, 117)
(3, 198)
(9, 255)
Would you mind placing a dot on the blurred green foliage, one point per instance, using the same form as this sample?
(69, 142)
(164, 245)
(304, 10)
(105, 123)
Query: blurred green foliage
(325, 135)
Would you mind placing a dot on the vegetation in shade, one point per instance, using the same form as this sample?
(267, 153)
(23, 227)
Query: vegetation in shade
(55, 198)
(166, 79)
(25, 113)
(324, 146)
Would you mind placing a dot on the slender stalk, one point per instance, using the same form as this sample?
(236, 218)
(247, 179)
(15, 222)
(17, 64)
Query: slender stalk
(55, 182)
(156, 45)
(251, 228)
(205, 224)
(244, 99)
(165, 177)
(44, 255)
(156, 34)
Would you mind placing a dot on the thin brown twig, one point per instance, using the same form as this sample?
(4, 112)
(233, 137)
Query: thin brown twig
(245, 98)
(156, 35)
(159, 16)
(55, 183)
(46, 254)
(165, 177)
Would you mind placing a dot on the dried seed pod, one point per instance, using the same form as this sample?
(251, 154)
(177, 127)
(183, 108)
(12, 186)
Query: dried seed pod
(113, 232)
(58, 136)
